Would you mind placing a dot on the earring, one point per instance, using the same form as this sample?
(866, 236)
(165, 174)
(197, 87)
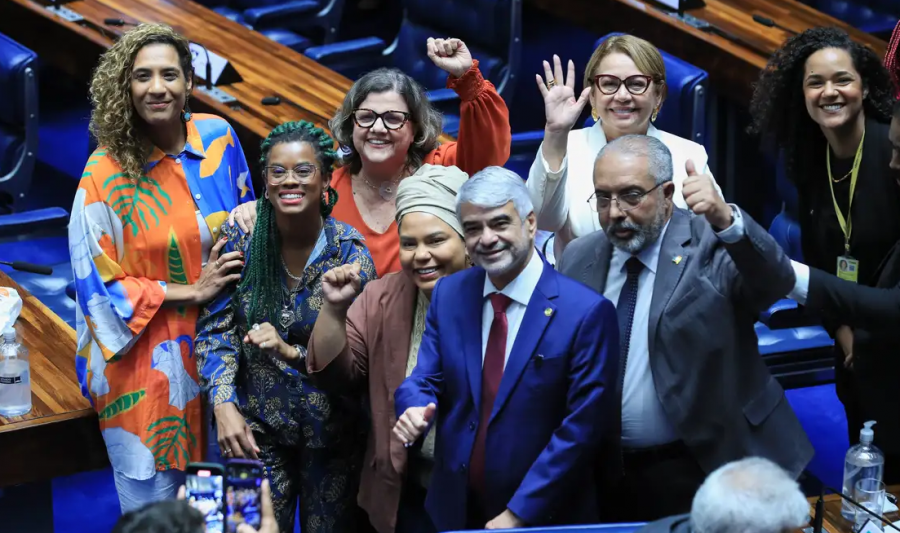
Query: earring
(266, 194)
(595, 115)
(653, 116)
(186, 112)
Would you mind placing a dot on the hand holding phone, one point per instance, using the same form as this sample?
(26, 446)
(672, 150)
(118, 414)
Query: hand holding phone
(204, 491)
(242, 497)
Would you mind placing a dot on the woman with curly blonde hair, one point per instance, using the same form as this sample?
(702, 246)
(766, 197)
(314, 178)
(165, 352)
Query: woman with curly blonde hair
(144, 223)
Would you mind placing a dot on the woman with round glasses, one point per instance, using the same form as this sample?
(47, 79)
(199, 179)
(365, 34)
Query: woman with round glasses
(252, 339)
(388, 129)
(625, 83)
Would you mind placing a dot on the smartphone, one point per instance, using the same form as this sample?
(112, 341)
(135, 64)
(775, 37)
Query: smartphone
(205, 491)
(242, 497)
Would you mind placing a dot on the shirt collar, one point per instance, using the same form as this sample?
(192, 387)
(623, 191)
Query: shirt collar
(193, 146)
(649, 256)
(520, 289)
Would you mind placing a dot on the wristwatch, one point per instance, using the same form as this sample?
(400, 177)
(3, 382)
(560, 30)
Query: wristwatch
(300, 361)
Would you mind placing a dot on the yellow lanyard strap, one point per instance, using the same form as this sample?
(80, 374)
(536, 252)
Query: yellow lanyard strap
(846, 226)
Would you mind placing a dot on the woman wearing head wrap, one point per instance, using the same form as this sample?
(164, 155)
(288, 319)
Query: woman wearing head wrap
(375, 341)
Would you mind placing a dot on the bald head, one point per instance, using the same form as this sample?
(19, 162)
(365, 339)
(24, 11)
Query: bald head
(645, 152)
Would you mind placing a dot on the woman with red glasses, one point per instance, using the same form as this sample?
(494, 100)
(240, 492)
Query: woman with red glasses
(625, 83)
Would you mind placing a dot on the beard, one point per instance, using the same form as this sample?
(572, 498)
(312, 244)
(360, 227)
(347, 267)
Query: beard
(641, 237)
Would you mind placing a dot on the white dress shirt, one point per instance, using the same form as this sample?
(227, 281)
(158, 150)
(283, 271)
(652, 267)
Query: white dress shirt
(519, 291)
(644, 421)
(801, 283)
(560, 198)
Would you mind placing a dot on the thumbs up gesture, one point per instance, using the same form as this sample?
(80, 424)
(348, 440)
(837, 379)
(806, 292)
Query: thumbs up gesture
(413, 423)
(702, 198)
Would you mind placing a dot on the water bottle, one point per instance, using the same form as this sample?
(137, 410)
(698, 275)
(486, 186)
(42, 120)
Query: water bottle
(863, 461)
(15, 376)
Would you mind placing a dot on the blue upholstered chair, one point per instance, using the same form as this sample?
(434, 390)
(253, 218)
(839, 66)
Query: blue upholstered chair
(36, 236)
(286, 21)
(872, 16)
(490, 28)
(682, 114)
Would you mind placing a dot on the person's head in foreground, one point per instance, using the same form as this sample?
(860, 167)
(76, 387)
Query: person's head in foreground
(171, 516)
(431, 236)
(633, 190)
(498, 223)
(753, 495)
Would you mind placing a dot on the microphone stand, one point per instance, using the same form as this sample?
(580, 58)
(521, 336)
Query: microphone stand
(28, 267)
(213, 92)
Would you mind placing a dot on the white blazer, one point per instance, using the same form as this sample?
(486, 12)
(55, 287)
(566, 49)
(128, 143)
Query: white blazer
(560, 198)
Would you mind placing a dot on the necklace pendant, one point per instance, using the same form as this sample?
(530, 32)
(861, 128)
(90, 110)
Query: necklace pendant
(387, 191)
(287, 318)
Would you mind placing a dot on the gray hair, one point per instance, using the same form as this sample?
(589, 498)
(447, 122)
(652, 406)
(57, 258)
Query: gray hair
(495, 187)
(753, 495)
(426, 120)
(659, 158)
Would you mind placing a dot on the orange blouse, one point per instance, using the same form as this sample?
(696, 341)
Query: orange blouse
(484, 140)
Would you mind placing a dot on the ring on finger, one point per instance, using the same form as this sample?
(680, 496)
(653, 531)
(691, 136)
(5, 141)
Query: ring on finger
(262, 345)
(218, 264)
(256, 327)
(551, 84)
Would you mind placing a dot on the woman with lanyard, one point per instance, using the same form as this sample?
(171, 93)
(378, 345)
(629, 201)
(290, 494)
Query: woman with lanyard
(826, 102)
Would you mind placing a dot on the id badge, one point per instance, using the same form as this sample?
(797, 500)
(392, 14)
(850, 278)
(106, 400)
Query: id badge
(848, 268)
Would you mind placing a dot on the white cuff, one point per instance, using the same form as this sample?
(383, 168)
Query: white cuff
(734, 232)
(801, 284)
(550, 174)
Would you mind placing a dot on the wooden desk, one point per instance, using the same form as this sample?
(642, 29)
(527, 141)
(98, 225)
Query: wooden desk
(835, 523)
(60, 436)
(733, 67)
(267, 68)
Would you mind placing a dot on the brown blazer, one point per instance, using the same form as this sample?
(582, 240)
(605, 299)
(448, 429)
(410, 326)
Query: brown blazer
(379, 325)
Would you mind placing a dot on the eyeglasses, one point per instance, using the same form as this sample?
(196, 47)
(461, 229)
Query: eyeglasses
(392, 120)
(609, 84)
(304, 173)
(625, 202)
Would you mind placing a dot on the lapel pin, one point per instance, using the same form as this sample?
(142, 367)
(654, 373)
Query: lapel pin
(676, 259)
(548, 311)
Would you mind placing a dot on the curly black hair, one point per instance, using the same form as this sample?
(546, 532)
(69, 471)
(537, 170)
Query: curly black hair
(778, 107)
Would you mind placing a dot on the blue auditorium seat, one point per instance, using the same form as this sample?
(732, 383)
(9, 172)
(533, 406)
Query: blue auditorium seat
(18, 121)
(36, 236)
(872, 16)
(490, 28)
(285, 21)
(683, 113)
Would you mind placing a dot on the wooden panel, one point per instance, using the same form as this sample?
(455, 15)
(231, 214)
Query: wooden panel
(733, 65)
(60, 435)
(267, 68)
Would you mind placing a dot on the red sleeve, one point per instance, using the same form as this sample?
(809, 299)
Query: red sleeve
(484, 133)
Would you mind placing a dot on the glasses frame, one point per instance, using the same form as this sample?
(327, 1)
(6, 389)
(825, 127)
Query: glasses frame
(290, 172)
(596, 80)
(380, 116)
(627, 208)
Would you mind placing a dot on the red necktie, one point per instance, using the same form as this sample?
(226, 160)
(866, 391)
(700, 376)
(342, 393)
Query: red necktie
(491, 374)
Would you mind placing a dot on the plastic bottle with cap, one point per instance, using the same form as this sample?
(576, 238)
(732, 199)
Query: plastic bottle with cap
(15, 376)
(863, 461)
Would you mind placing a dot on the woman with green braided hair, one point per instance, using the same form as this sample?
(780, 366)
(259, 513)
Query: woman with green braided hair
(251, 341)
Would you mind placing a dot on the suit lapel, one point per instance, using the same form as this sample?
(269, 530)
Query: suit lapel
(669, 268)
(470, 321)
(596, 271)
(535, 321)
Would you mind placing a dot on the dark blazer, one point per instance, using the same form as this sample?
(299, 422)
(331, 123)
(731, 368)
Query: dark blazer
(556, 400)
(711, 380)
(876, 349)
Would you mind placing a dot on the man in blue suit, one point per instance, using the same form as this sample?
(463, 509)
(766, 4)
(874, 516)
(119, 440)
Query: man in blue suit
(517, 366)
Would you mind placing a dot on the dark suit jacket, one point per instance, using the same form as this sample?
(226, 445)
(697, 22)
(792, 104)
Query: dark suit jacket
(876, 349)
(671, 524)
(556, 400)
(711, 380)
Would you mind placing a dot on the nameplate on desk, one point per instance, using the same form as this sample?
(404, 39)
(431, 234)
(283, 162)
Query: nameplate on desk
(222, 72)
